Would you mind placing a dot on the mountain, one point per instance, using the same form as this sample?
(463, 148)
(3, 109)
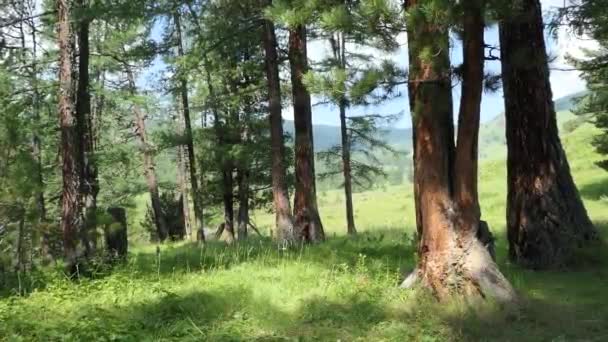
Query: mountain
(327, 136)
(492, 143)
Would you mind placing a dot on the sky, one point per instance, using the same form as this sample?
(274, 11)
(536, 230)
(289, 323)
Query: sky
(563, 82)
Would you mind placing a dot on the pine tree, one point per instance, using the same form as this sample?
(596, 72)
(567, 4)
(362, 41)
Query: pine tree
(70, 153)
(452, 260)
(546, 219)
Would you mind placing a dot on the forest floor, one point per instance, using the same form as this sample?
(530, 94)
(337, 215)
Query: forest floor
(342, 290)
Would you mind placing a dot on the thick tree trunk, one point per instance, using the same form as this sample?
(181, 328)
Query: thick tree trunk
(183, 89)
(452, 261)
(346, 168)
(149, 166)
(88, 173)
(283, 217)
(70, 196)
(546, 219)
(307, 219)
(243, 214)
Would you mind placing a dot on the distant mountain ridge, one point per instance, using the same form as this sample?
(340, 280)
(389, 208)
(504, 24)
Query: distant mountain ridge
(327, 136)
(491, 135)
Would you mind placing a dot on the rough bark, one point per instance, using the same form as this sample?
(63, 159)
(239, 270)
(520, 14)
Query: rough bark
(284, 220)
(88, 172)
(70, 195)
(452, 261)
(183, 89)
(148, 164)
(546, 219)
(307, 219)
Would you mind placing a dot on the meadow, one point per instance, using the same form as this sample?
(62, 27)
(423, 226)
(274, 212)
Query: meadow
(345, 289)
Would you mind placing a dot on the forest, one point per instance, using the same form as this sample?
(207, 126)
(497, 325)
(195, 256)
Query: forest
(303, 170)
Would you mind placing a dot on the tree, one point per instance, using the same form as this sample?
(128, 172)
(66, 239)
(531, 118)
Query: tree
(306, 211)
(452, 260)
(348, 77)
(588, 18)
(284, 220)
(546, 219)
(88, 172)
(70, 142)
(191, 160)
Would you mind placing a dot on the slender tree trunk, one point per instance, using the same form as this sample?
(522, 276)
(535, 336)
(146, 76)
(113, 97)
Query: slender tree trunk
(183, 181)
(546, 219)
(346, 168)
(307, 219)
(283, 217)
(183, 89)
(228, 199)
(452, 261)
(149, 166)
(70, 196)
(243, 214)
(339, 47)
(88, 173)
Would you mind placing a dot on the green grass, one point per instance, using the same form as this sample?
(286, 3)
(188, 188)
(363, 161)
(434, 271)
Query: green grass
(342, 290)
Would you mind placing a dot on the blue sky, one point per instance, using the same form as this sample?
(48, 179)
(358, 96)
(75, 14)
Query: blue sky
(563, 82)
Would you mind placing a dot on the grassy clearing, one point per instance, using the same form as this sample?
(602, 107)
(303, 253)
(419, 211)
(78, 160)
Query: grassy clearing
(344, 289)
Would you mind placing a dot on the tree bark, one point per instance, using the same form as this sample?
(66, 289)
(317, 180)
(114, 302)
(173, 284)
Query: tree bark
(452, 261)
(284, 220)
(88, 173)
(70, 196)
(307, 219)
(243, 214)
(340, 54)
(346, 168)
(546, 219)
(183, 89)
(149, 166)
(183, 181)
(228, 199)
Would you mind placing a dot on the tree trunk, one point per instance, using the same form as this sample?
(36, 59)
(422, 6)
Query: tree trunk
(228, 199)
(283, 217)
(307, 219)
(182, 181)
(346, 167)
(149, 166)
(452, 261)
(546, 219)
(183, 89)
(243, 214)
(70, 196)
(339, 46)
(88, 173)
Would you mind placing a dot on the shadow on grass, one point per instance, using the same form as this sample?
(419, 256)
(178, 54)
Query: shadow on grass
(595, 191)
(556, 305)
